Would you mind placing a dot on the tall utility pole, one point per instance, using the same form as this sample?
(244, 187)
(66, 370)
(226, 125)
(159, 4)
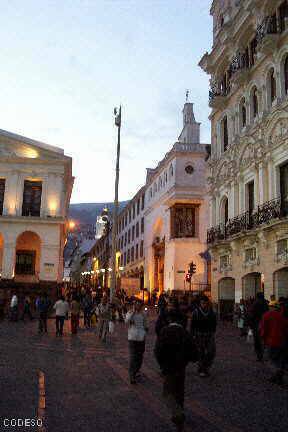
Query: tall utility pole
(117, 114)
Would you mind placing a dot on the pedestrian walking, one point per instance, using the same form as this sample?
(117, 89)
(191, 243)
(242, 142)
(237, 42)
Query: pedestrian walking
(61, 308)
(137, 329)
(75, 313)
(104, 318)
(203, 328)
(173, 350)
(274, 331)
(14, 308)
(27, 309)
(87, 305)
(241, 314)
(258, 308)
(42, 306)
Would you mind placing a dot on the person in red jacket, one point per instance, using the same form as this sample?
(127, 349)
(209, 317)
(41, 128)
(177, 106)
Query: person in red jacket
(274, 331)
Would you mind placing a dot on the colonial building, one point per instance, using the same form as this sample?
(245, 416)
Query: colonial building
(176, 213)
(248, 182)
(130, 246)
(35, 188)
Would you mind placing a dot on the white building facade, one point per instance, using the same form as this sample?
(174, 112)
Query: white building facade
(35, 188)
(176, 213)
(248, 182)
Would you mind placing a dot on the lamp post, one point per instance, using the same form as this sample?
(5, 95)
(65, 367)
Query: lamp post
(117, 114)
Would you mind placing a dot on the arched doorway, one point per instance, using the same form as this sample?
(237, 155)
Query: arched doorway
(280, 279)
(1, 252)
(251, 284)
(27, 262)
(226, 295)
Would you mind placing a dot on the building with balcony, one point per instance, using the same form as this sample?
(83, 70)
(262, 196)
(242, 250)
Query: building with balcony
(248, 181)
(35, 188)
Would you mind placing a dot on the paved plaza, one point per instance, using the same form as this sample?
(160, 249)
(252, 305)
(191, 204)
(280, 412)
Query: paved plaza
(78, 384)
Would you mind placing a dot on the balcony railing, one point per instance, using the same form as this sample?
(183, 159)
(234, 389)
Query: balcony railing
(268, 26)
(246, 221)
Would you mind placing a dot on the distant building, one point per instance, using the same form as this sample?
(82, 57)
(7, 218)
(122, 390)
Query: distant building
(35, 188)
(163, 228)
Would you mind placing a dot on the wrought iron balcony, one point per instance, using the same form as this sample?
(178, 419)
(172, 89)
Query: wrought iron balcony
(267, 27)
(217, 94)
(265, 213)
(239, 62)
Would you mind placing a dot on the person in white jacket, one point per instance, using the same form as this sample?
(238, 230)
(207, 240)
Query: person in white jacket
(14, 308)
(61, 308)
(138, 327)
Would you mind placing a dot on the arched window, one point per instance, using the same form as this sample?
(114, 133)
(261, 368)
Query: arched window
(272, 86)
(286, 75)
(243, 113)
(225, 137)
(255, 105)
(224, 212)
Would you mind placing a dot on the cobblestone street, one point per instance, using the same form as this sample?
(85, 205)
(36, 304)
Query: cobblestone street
(85, 385)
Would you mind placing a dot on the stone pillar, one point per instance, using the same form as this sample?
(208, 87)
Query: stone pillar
(271, 180)
(8, 263)
(241, 195)
(261, 184)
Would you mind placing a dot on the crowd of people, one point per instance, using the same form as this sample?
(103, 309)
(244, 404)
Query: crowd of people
(185, 331)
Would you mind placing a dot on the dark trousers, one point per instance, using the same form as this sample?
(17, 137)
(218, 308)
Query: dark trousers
(59, 324)
(173, 394)
(26, 311)
(136, 353)
(258, 344)
(74, 323)
(206, 350)
(87, 318)
(43, 322)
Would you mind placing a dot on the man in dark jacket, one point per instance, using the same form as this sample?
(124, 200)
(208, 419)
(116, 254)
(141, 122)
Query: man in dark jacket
(173, 351)
(162, 320)
(203, 328)
(258, 308)
(42, 306)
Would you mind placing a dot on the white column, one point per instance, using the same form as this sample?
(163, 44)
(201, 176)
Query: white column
(261, 184)
(232, 201)
(241, 195)
(8, 262)
(271, 180)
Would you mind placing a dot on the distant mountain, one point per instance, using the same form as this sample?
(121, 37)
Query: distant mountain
(87, 213)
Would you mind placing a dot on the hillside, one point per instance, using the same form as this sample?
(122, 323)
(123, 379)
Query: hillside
(86, 213)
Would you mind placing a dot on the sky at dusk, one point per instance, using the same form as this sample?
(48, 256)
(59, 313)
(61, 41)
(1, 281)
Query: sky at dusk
(66, 64)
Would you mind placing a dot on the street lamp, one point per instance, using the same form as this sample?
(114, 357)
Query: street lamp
(117, 114)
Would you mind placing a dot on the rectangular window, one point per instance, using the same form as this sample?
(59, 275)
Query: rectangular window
(133, 232)
(129, 236)
(132, 254)
(141, 249)
(32, 198)
(125, 242)
(25, 262)
(137, 230)
(129, 216)
(225, 133)
(250, 197)
(250, 254)
(137, 252)
(134, 211)
(284, 189)
(126, 219)
(128, 256)
(142, 225)
(138, 206)
(125, 259)
(224, 262)
(282, 247)
(2, 193)
(143, 202)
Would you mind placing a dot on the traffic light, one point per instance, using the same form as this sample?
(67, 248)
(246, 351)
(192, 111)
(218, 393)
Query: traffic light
(192, 268)
(188, 277)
